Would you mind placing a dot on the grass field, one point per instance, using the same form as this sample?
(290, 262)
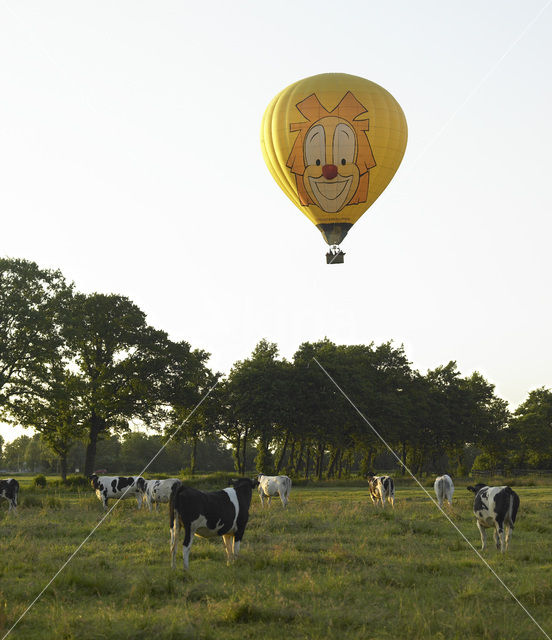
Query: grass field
(330, 566)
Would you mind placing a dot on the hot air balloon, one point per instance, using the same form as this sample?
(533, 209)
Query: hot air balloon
(333, 142)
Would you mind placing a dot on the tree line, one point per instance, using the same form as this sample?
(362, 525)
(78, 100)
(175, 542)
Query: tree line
(82, 370)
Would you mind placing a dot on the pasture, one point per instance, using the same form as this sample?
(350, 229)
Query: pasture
(330, 566)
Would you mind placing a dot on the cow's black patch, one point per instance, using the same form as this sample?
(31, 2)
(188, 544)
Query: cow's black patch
(480, 501)
(123, 482)
(9, 489)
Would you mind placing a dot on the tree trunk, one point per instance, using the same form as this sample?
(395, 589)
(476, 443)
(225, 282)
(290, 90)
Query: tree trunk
(299, 461)
(236, 451)
(193, 456)
(320, 461)
(97, 425)
(282, 454)
(63, 465)
(307, 465)
(340, 467)
(289, 465)
(334, 455)
(244, 461)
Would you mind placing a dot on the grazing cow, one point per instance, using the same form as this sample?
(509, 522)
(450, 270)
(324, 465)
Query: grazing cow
(210, 513)
(156, 491)
(495, 507)
(107, 487)
(9, 489)
(270, 486)
(381, 488)
(444, 488)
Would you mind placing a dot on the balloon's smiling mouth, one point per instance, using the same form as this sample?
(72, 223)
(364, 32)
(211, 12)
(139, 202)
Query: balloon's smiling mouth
(331, 194)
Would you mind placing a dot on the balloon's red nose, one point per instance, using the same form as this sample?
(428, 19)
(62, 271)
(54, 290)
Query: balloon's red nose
(329, 171)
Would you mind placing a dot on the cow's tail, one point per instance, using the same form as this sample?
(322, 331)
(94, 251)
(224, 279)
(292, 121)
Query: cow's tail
(514, 506)
(440, 490)
(176, 486)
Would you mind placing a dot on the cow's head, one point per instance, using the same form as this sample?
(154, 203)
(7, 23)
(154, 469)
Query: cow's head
(245, 482)
(94, 481)
(477, 487)
(141, 484)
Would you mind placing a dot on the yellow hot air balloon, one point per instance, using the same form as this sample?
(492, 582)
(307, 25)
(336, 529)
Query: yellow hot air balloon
(333, 142)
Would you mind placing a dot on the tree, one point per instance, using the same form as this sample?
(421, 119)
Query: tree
(32, 306)
(531, 428)
(193, 414)
(257, 386)
(55, 410)
(14, 453)
(120, 360)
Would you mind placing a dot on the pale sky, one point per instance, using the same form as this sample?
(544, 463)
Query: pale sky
(130, 160)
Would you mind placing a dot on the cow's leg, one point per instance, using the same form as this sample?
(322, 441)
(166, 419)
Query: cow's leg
(187, 545)
(261, 496)
(483, 534)
(236, 547)
(269, 499)
(283, 498)
(175, 529)
(139, 500)
(499, 536)
(509, 530)
(227, 540)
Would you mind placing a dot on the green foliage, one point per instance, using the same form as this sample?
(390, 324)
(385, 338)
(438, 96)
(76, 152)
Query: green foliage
(39, 481)
(32, 307)
(74, 483)
(80, 369)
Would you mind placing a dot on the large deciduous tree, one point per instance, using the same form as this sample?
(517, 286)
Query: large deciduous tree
(122, 362)
(33, 302)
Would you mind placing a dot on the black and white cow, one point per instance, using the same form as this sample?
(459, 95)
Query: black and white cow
(156, 491)
(381, 488)
(210, 513)
(9, 489)
(107, 487)
(444, 489)
(270, 486)
(495, 507)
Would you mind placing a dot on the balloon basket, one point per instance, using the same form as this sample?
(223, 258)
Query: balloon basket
(335, 256)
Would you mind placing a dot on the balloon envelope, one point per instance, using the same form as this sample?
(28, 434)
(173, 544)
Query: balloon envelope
(333, 142)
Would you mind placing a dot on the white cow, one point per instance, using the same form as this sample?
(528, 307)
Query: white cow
(156, 491)
(270, 486)
(444, 488)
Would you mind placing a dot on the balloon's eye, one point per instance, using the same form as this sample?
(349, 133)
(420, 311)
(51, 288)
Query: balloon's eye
(318, 163)
(343, 161)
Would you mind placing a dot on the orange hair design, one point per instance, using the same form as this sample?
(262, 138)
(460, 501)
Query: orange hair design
(349, 109)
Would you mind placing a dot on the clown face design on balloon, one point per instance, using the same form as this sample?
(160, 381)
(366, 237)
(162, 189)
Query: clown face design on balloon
(331, 157)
